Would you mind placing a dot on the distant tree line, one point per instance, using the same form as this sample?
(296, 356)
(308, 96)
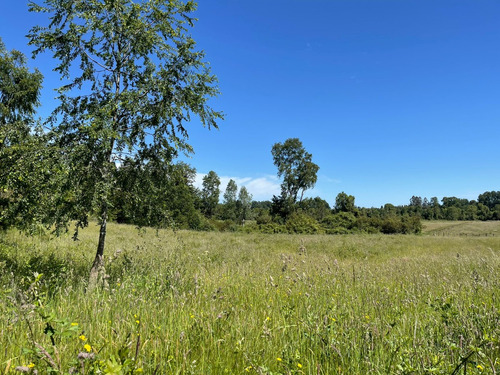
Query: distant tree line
(56, 177)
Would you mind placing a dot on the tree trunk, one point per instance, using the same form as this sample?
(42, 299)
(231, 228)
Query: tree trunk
(97, 272)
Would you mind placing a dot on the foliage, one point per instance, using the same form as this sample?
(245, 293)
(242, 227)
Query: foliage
(244, 204)
(210, 193)
(156, 194)
(344, 220)
(28, 157)
(295, 165)
(315, 207)
(282, 207)
(133, 80)
(229, 204)
(344, 203)
(19, 96)
(302, 224)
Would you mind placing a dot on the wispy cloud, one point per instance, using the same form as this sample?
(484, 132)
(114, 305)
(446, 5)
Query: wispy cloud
(329, 179)
(261, 188)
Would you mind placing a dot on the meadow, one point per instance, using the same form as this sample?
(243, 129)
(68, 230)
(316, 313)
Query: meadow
(236, 303)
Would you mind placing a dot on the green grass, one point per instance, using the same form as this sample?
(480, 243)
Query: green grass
(235, 303)
(461, 228)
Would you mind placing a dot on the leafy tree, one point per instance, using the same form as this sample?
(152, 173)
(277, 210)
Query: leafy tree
(302, 224)
(317, 208)
(19, 148)
(454, 202)
(281, 207)
(133, 80)
(452, 213)
(471, 212)
(210, 193)
(344, 203)
(416, 201)
(483, 212)
(489, 199)
(244, 204)
(435, 208)
(496, 212)
(155, 194)
(230, 197)
(342, 220)
(296, 167)
(231, 192)
(388, 210)
(19, 96)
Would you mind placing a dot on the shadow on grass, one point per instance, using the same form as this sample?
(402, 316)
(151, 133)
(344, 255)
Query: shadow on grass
(17, 266)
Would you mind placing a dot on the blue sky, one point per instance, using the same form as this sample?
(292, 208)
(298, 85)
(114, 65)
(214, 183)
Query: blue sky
(393, 98)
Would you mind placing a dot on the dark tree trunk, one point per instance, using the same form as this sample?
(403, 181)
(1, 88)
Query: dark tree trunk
(97, 272)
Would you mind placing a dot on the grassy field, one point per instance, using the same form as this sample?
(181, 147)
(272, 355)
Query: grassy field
(462, 228)
(235, 303)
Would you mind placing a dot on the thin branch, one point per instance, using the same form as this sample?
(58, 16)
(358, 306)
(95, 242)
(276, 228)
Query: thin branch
(95, 61)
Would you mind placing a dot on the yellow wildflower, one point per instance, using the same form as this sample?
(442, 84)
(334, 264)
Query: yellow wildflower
(74, 324)
(87, 347)
(279, 359)
(31, 365)
(480, 368)
(299, 365)
(82, 337)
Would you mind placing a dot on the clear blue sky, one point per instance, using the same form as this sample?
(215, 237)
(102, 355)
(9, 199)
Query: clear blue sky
(393, 98)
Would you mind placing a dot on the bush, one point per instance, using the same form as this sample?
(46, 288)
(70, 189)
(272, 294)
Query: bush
(391, 225)
(368, 224)
(263, 217)
(411, 225)
(345, 220)
(225, 225)
(271, 228)
(303, 224)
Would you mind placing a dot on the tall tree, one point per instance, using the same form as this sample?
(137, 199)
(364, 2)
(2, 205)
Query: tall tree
(416, 201)
(344, 203)
(19, 148)
(19, 96)
(210, 193)
(244, 204)
(317, 208)
(489, 199)
(295, 165)
(230, 197)
(133, 80)
(155, 194)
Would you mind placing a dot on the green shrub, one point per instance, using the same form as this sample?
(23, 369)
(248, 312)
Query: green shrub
(303, 224)
(344, 220)
(271, 228)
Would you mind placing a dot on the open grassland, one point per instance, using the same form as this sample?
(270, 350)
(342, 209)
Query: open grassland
(236, 303)
(461, 228)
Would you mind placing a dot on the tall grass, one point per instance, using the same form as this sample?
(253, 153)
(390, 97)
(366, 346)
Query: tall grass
(216, 303)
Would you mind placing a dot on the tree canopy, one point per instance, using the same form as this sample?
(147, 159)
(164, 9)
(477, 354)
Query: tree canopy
(296, 168)
(19, 97)
(133, 80)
